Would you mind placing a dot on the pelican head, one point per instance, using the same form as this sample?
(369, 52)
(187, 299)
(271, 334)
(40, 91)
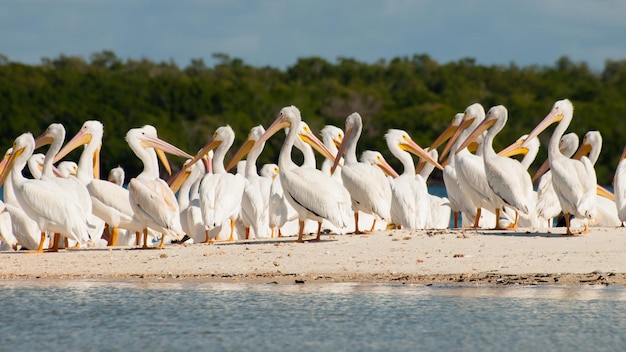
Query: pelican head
(23, 144)
(400, 139)
(332, 135)
(146, 137)
(255, 133)
(496, 116)
(354, 125)
(560, 110)
(223, 137)
(375, 158)
(472, 117)
(91, 130)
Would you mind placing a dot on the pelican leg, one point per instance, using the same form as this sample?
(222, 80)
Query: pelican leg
(478, 211)
(280, 234)
(273, 230)
(76, 246)
(145, 238)
(456, 219)
(247, 233)
(300, 231)
(514, 224)
(356, 223)
(137, 238)
(162, 243)
(373, 226)
(567, 217)
(497, 220)
(113, 238)
(41, 242)
(206, 236)
(232, 231)
(319, 231)
(55, 243)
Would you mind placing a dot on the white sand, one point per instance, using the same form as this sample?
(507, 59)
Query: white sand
(382, 256)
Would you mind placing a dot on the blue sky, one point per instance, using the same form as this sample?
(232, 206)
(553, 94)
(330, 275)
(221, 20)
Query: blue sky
(277, 33)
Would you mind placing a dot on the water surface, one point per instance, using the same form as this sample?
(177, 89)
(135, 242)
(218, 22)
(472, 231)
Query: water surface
(160, 316)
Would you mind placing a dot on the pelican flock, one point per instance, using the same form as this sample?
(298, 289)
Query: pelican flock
(205, 202)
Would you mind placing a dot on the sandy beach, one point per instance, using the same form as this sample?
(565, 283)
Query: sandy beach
(460, 256)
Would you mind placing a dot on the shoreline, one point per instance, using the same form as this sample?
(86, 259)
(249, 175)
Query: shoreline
(426, 257)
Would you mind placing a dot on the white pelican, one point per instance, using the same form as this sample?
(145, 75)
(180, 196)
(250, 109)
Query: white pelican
(507, 177)
(548, 206)
(75, 186)
(606, 209)
(410, 205)
(311, 192)
(110, 202)
(332, 137)
(25, 229)
(282, 216)
(43, 200)
(220, 192)
(470, 168)
(375, 158)
(117, 175)
(255, 200)
(152, 200)
(574, 181)
(187, 181)
(440, 208)
(269, 170)
(368, 187)
(620, 187)
(530, 153)
(459, 202)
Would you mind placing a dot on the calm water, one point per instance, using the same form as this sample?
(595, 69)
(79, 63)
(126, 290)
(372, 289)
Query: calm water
(133, 316)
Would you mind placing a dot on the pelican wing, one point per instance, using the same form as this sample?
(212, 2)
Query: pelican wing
(157, 203)
(368, 188)
(25, 229)
(253, 206)
(548, 205)
(510, 181)
(110, 202)
(220, 197)
(318, 194)
(472, 177)
(575, 183)
(49, 201)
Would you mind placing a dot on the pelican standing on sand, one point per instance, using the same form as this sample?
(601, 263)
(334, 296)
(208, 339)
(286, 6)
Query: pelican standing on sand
(470, 168)
(152, 200)
(43, 200)
(574, 181)
(220, 192)
(548, 206)
(26, 230)
(506, 177)
(410, 205)
(88, 168)
(606, 209)
(311, 192)
(110, 201)
(255, 199)
(368, 187)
